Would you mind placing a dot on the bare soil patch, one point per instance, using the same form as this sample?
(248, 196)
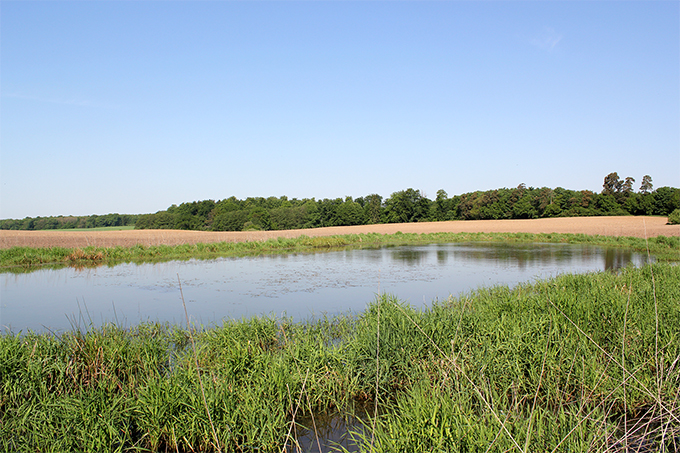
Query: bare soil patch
(604, 226)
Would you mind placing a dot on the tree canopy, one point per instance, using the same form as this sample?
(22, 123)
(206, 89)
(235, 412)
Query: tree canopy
(409, 205)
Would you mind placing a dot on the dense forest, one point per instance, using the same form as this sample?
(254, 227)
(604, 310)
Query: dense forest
(69, 222)
(618, 197)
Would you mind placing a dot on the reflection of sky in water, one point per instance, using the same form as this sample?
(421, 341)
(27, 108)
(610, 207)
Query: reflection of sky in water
(299, 285)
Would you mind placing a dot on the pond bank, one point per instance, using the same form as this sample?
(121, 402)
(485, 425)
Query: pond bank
(26, 259)
(567, 364)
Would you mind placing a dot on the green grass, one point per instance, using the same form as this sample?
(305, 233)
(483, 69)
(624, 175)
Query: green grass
(109, 228)
(26, 259)
(566, 364)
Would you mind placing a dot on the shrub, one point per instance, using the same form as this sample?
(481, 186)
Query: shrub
(674, 217)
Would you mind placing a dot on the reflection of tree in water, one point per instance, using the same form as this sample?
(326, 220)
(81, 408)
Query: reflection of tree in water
(411, 257)
(522, 256)
(616, 259)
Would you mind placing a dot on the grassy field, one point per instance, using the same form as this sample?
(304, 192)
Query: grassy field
(577, 363)
(112, 228)
(26, 259)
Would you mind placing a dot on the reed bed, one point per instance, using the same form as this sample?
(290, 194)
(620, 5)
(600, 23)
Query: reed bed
(27, 259)
(575, 363)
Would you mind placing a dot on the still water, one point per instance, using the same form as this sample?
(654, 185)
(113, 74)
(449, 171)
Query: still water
(296, 285)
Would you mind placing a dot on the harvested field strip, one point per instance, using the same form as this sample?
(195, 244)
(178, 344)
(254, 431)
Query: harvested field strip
(628, 226)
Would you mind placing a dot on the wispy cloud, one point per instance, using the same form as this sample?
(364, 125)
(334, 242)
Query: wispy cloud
(61, 101)
(547, 39)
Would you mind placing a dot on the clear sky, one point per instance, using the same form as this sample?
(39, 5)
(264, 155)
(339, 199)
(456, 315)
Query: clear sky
(131, 106)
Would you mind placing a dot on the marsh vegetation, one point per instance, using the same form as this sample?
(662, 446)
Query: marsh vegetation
(575, 363)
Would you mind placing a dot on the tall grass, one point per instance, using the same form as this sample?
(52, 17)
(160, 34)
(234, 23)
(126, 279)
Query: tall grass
(539, 368)
(575, 363)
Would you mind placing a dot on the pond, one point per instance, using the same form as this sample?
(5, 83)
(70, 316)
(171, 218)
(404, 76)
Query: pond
(297, 285)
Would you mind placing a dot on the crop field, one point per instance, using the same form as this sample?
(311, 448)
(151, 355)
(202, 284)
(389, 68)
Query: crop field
(604, 226)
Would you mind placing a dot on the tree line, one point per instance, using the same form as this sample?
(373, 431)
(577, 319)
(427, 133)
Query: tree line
(69, 222)
(618, 197)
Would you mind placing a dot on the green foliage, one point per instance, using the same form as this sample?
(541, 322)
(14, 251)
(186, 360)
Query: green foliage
(69, 222)
(674, 217)
(523, 208)
(410, 205)
(407, 206)
(259, 219)
(552, 210)
(373, 208)
(646, 185)
(350, 213)
(612, 184)
(328, 212)
(230, 221)
(159, 220)
(627, 185)
(288, 218)
(606, 203)
(442, 205)
(666, 200)
(557, 365)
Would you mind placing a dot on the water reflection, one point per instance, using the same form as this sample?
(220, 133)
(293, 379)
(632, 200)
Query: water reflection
(297, 285)
(326, 432)
(521, 255)
(617, 258)
(411, 256)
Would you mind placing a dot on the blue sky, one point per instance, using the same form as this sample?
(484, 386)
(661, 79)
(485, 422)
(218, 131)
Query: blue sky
(130, 107)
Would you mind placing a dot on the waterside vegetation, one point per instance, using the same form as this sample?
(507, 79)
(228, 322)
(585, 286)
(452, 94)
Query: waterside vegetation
(26, 259)
(575, 363)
